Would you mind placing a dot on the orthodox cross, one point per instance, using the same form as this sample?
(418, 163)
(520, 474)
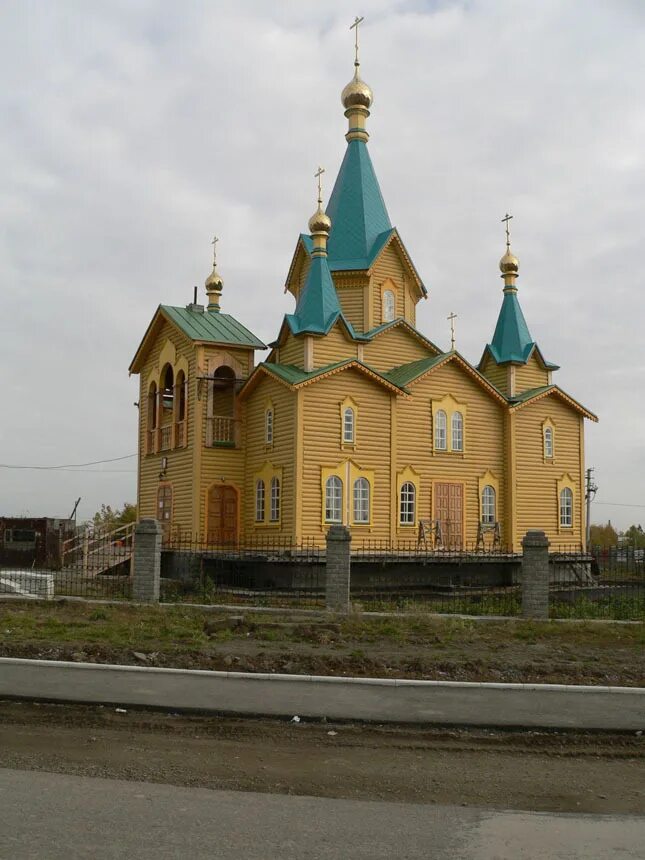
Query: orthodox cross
(451, 319)
(214, 244)
(317, 175)
(354, 27)
(505, 220)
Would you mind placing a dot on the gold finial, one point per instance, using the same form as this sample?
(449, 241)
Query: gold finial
(214, 282)
(451, 319)
(509, 264)
(354, 27)
(319, 223)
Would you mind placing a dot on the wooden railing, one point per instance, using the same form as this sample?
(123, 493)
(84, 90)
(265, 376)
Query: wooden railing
(221, 430)
(97, 552)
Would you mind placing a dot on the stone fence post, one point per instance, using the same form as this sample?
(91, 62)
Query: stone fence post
(535, 575)
(339, 541)
(146, 567)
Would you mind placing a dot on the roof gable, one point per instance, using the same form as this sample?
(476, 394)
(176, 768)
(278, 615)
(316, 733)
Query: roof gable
(535, 394)
(414, 371)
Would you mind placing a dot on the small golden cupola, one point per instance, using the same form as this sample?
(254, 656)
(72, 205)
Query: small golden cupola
(214, 283)
(320, 222)
(357, 97)
(509, 265)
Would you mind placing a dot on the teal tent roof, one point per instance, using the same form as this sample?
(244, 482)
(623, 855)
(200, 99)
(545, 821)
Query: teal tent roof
(318, 307)
(359, 219)
(512, 339)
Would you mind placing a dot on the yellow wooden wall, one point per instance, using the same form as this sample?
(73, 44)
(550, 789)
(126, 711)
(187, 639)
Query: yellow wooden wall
(179, 471)
(393, 347)
(334, 346)
(389, 265)
(496, 373)
(280, 454)
(322, 447)
(530, 375)
(352, 300)
(537, 504)
(483, 448)
(292, 351)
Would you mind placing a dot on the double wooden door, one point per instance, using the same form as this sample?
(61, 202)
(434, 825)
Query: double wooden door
(449, 512)
(222, 514)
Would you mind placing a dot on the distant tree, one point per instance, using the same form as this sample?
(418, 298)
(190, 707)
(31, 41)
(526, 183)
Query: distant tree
(634, 536)
(603, 535)
(108, 519)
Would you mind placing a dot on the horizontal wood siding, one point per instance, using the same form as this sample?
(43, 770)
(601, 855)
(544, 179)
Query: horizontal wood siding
(333, 347)
(292, 351)
(322, 447)
(530, 375)
(179, 470)
(393, 347)
(352, 301)
(496, 373)
(389, 265)
(536, 482)
(483, 444)
(280, 454)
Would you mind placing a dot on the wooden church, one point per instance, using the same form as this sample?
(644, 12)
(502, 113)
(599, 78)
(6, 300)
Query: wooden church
(355, 417)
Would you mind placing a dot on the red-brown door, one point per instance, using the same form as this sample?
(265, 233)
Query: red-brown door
(164, 509)
(449, 511)
(222, 515)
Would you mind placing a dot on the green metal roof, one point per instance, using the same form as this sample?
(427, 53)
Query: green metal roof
(512, 340)
(295, 375)
(318, 307)
(532, 392)
(211, 327)
(405, 373)
(357, 211)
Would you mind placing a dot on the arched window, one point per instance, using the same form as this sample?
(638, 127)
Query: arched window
(361, 500)
(275, 500)
(407, 505)
(333, 500)
(348, 425)
(268, 426)
(388, 305)
(259, 501)
(167, 388)
(566, 508)
(152, 407)
(548, 443)
(488, 505)
(457, 431)
(440, 422)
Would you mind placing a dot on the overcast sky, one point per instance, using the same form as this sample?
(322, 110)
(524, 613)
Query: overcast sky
(132, 130)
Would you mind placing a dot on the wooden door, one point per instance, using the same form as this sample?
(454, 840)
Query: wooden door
(222, 515)
(449, 511)
(164, 509)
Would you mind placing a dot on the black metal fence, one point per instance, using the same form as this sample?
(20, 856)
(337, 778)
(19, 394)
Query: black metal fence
(607, 582)
(262, 572)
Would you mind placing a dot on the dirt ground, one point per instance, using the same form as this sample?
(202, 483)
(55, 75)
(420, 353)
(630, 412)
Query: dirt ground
(427, 647)
(510, 770)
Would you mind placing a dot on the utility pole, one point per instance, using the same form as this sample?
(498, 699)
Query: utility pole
(590, 491)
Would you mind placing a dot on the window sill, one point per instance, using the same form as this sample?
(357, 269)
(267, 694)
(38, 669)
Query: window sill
(221, 445)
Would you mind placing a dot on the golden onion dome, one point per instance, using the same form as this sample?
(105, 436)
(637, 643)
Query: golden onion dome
(319, 222)
(214, 280)
(509, 264)
(356, 94)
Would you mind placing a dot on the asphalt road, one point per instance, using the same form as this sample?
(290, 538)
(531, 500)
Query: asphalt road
(56, 816)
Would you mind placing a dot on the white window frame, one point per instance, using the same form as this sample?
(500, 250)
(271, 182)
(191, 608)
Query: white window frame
(268, 427)
(389, 305)
(333, 499)
(275, 499)
(349, 425)
(489, 505)
(440, 430)
(407, 504)
(361, 501)
(260, 498)
(565, 502)
(548, 443)
(457, 431)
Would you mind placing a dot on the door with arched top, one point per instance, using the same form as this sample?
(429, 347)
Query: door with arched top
(222, 514)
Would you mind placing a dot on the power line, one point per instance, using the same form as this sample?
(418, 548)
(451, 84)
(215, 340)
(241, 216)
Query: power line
(68, 465)
(619, 504)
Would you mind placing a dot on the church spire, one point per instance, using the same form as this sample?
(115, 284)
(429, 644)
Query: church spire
(357, 97)
(214, 282)
(512, 340)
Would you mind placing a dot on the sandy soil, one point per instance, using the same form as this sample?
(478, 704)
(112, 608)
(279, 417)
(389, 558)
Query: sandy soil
(510, 770)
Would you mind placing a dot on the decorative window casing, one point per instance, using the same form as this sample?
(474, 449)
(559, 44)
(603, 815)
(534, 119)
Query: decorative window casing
(488, 499)
(268, 424)
(333, 499)
(566, 491)
(348, 422)
(348, 426)
(440, 430)
(260, 494)
(389, 305)
(361, 501)
(408, 484)
(449, 425)
(275, 499)
(548, 439)
(268, 495)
